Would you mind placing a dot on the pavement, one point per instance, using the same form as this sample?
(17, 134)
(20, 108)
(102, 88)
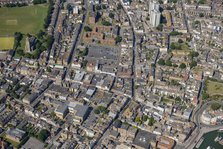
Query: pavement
(106, 133)
(201, 128)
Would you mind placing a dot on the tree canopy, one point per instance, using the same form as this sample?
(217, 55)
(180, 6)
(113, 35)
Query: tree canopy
(215, 106)
(161, 62)
(43, 135)
(182, 66)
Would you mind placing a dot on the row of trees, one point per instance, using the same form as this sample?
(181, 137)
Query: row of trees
(35, 2)
(87, 29)
(101, 110)
(105, 23)
(162, 62)
(180, 45)
(99, 7)
(43, 42)
(16, 4)
(18, 38)
(151, 120)
(175, 33)
(47, 20)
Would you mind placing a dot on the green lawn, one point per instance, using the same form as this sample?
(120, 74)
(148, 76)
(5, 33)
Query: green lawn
(29, 19)
(214, 88)
(6, 43)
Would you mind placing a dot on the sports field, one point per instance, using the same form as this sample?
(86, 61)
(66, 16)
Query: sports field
(29, 19)
(6, 43)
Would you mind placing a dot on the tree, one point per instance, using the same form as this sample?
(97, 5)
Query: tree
(175, 65)
(160, 27)
(175, 33)
(69, 7)
(196, 22)
(96, 111)
(153, 65)
(39, 108)
(182, 66)
(36, 53)
(169, 8)
(28, 55)
(172, 46)
(38, 44)
(175, 45)
(87, 29)
(17, 4)
(49, 41)
(201, 1)
(180, 41)
(118, 39)
(215, 106)
(160, 1)
(119, 6)
(193, 54)
(18, 38)
(173, 1)
(111, 15)
(174, 83)
(104, 6)
(151, 121)
(20, 52)
(47, 20)
(144, 118)
(178, 99)
(83, 53)
(98, 7)
(138, 120)
(84, 64)
(14, 95)
(40, 34)
(193, 64)
(106, 23)
(161, 62)
(168, 63)
(101, 110)
(43, 135)
(35, 2)
(201, 15)
(205, 95)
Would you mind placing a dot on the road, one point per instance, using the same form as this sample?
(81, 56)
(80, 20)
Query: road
(78, 36)
(72, 53)
(185, 17)
(133, 50)
(106, 132)
(201, 128)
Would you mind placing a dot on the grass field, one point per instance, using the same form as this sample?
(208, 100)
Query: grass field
(29, 19)
(214, 88)
(6, 43)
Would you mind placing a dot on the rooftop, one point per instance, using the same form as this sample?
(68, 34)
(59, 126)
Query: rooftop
(33, 143)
